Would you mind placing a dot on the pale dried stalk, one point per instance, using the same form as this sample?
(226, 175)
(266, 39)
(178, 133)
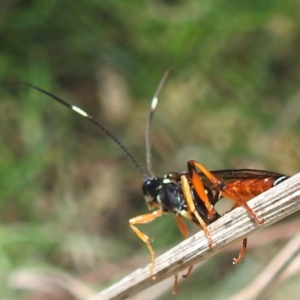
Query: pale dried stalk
(271, 206)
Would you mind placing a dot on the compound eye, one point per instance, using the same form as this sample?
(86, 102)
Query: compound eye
(150, 187)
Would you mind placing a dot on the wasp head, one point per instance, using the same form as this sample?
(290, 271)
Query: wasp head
(150, 190)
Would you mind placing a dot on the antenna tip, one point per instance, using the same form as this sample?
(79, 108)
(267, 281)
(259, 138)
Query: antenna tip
(154, 103)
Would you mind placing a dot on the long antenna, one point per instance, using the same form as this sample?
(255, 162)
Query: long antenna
(149, 122)
(89, 118)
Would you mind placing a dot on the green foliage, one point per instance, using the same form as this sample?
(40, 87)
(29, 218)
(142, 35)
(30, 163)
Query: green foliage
(66, 190)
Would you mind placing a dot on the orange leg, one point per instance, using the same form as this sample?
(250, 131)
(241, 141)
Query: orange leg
(184, 230)
(226, 193)
(198, 185)
(240, 202)
(175, 286)
(143, 219)
(190, 203)
(182, 227)
(242, 253)
(213, 179)
(189, 271)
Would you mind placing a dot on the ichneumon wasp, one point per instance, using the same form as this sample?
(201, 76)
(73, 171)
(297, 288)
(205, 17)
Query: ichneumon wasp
(190, 195)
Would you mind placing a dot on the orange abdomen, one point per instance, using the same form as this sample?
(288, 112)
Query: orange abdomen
(246, 189)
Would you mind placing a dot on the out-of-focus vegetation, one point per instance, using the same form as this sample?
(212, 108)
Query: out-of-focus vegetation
(67, 191)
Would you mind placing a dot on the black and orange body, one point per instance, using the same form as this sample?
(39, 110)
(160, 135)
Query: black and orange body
(192, 195)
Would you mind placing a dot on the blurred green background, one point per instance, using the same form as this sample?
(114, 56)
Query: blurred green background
(232, 100)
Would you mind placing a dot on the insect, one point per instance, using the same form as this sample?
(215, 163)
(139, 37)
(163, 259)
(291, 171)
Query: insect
(190, 195)
(193, 194)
